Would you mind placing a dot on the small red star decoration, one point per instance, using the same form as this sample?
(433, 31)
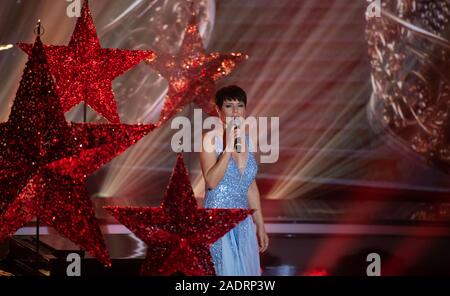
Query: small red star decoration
(192, 73)
(178, 234)
(44, 161)
(84, 71)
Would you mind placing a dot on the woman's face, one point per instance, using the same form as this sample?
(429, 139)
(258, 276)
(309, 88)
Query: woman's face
(231, 108)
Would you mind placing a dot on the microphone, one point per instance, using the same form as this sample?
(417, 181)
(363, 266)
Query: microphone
(237, 140)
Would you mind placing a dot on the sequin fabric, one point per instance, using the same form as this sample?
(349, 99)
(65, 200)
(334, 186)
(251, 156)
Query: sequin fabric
(236, 253)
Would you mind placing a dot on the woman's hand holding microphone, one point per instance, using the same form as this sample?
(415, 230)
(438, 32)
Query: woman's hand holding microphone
(232, 135)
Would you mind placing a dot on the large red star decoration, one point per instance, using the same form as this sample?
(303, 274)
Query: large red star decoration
(44, 160)
(178, 234)
(192, 73)
(84, 71)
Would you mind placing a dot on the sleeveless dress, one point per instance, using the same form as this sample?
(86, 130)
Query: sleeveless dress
(237, 252)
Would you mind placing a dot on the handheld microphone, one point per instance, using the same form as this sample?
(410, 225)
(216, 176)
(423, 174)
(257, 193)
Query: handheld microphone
(237, 140)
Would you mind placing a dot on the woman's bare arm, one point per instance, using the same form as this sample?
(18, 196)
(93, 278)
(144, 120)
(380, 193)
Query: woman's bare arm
(213, 169)
(254, 201)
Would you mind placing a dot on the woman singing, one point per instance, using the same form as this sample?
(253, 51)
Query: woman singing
(230, 183)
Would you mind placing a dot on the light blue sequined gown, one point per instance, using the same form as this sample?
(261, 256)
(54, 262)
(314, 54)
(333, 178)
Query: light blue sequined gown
(237, 252)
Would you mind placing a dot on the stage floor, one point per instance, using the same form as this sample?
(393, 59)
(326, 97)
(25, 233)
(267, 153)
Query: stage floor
(295, 249)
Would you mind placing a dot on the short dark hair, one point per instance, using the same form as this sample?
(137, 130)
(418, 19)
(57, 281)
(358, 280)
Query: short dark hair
(230, 93)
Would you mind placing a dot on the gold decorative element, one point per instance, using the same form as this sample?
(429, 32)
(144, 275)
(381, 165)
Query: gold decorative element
(409, 52)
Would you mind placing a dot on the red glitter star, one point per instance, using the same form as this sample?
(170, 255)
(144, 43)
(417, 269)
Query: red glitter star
(192, 73)
(84, 71)
(44, 160)
(178, 234)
